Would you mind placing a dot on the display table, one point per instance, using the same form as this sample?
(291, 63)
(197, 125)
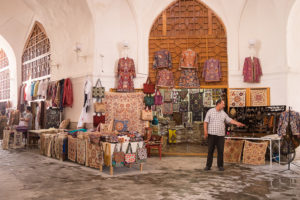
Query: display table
(269, 138)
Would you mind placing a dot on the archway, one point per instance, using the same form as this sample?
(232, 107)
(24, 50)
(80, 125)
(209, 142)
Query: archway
(190, 24)
(8, 74)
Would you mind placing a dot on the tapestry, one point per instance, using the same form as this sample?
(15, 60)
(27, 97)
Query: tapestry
(81, 151)
(167, 108)
(207, 98)
(196, 102)
(176, 107)
(93, 154)
(165, 78)
(189, 78)
(175, 97)
(125, 106)
(185, 117)
(47, 145)
(72, 148)
(258, 97)
(254, 153)
(237, 98)
(233, 151)
(285, 117)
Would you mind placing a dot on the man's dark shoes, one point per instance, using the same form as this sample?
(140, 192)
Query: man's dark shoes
(206, 168)
(221, 168)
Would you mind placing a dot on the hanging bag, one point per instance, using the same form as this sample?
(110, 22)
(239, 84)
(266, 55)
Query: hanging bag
(98, 91)
(99, 107)
(141, 153)
(148, 87)
(118, 157)
(129, 156)
(149, 100)
(147, 114)
(158, 99)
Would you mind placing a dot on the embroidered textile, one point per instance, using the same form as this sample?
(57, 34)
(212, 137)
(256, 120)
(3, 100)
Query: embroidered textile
(162, 59)
(233, 151)
(81, 150)
(212, 70)
(252, 70)
(284, 120)
(254, 153)
(72, 148)
(188, 59)
(8, 139)
(196, 102)
(125, 106)
(126, 73)
(185, 117)
(165, 78)
(258, 97)
(183, 94)
(167, 108)
(93, 154)
(189, 78)
(18, 138)
(184, 106)
(237, 98)
(207, 98)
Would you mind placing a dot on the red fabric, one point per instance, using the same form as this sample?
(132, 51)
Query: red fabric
(68, 93)
(24, 91)
(252, 70)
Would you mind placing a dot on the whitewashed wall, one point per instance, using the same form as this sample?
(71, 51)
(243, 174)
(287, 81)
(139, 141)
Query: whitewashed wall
(101, 25)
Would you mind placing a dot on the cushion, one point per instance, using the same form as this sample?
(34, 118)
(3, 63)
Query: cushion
(120, 125)
(233, 151)
(254, 153)
(64, 124)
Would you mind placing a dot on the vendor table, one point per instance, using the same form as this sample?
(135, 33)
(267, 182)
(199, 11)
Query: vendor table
(269, 138)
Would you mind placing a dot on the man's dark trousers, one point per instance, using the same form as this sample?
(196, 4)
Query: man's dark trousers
(214, 140)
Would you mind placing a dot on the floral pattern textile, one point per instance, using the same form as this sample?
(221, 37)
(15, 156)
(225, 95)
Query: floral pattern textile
(189, 78)
(252, 70)
(72, 148)
(126, 73)
(258, 97)
(125, 106)
(93, 154)
(284, 121)
(165, 78)
(237, 98)
(207, 98)
(233, 151)
(188, 59)
(254, 153)
(212, 70)
(162, 59)
(81, 151)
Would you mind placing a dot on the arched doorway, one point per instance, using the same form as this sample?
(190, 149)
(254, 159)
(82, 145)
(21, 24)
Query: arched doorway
(188, 24)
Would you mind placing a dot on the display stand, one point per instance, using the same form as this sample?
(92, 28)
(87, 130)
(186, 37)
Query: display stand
(289, 131)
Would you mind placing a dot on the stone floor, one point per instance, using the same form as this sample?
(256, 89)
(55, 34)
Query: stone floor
(24, 174)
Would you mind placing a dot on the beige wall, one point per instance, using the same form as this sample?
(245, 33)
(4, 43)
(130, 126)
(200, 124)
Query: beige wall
(293, 57)
(101, 25)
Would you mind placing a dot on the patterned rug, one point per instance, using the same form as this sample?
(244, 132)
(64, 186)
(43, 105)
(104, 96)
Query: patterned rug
(72, 148)
(233, 151)
(254, 153)
(125, 106)
(81, 151)
(237, 98)
(93, 153)
(258, 97)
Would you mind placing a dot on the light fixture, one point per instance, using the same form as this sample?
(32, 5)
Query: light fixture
(78, 50)
(252, 42)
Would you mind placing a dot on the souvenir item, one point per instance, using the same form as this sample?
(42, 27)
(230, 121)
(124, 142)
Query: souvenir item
(237, 98)
(167, 108)
(165, 78)
(258, 97)
(148, 87)
(126, 73)
(167, 96)
(162, 59)
(252, 70)
(147, 115)
(129, 156)
(158, 99)
(184, 106)
(189, 78)
(149, 100)
(120, 125)
(254, 153)
(212, 70)
(98, 91)
(233, 151)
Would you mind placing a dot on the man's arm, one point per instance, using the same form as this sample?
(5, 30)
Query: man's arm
(205, 130)
(239, 124)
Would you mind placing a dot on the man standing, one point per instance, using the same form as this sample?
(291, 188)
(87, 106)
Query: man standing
(214, 129)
